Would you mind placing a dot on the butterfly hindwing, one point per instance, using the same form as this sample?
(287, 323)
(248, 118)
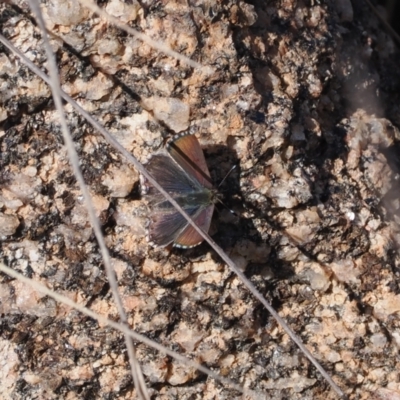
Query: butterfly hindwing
(166, 226)
(189, 236)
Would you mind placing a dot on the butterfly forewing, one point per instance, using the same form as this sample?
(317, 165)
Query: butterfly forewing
(169, 175)
(186, 151)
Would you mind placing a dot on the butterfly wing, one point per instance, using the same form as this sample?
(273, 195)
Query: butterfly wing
(189, 237)
(169, 175)
(169, 226)
(187, 152)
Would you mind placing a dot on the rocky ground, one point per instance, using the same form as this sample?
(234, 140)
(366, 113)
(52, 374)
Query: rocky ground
(304, 98)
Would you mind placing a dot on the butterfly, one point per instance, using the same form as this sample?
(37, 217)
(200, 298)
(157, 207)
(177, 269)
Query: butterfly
(182, 171)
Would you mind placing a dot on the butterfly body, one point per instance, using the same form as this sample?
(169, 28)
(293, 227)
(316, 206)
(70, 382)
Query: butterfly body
(186, 201)
(182, 171)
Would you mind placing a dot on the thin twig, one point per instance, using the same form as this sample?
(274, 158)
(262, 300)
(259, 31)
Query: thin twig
(388, 27)
(73, 157)
(144, 38)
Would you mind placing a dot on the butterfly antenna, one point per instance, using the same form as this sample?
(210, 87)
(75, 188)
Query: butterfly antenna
(229, 209)
(226, 176)
(220, 184)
